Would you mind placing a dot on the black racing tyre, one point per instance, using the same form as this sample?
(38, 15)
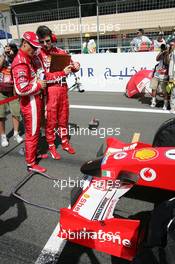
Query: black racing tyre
(165, 135)
(92, 168)
(75, 194)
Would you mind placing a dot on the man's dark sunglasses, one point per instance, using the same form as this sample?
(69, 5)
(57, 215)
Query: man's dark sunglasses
(43, 41)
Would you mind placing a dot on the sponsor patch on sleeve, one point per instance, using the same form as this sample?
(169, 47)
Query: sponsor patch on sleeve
(23, 85)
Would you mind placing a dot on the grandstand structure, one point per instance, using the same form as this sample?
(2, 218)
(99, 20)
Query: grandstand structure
(111, 23)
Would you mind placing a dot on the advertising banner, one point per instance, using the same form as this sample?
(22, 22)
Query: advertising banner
(110, 72)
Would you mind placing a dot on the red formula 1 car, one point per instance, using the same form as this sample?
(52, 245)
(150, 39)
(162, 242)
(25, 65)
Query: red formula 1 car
(90, 221)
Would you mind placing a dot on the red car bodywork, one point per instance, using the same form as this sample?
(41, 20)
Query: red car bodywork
(90, 222)
(155, 166)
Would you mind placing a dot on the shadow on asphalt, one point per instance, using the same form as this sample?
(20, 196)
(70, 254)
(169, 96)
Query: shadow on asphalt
(74, 252)
(115, 260)
(153, 195)
(10, 224)
(147, 101)
(43, 146)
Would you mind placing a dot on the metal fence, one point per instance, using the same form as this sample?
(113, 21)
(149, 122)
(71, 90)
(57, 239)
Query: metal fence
(116, 40)
(48, 15)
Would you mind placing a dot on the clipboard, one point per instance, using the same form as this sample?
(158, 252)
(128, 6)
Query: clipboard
(59, 62)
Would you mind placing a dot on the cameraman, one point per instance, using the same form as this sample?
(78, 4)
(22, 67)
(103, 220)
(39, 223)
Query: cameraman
(160, 76)
(6, 91)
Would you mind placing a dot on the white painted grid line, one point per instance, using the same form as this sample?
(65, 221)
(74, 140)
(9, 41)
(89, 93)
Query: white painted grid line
(123, 109)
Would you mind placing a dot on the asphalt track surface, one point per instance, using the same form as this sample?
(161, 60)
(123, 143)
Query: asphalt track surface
(24, 229)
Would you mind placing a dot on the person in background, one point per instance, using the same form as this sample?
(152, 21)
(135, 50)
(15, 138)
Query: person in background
(141, 42)
(6, 91)
(29, 87)
(85, 48)
(159, 41)
(160, 77)
(171, 37)
(85, 44)
(57, 103)
(91, 46)
(171, 73)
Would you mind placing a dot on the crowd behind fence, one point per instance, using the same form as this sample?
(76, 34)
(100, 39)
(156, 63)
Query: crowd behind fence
(87, 9)
(118, 40)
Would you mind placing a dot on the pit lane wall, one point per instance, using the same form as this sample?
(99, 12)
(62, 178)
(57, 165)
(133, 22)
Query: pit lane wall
(110, 72)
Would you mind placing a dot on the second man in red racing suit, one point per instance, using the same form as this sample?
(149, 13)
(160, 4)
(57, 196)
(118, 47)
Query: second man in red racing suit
(57, 103)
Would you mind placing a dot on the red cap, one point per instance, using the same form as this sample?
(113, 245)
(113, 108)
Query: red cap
(32, 38)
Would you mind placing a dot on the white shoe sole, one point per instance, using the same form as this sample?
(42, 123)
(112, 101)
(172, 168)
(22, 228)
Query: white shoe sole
(18, 141)
(4, 146)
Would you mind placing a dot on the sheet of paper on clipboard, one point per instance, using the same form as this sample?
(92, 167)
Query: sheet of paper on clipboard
(59, 62)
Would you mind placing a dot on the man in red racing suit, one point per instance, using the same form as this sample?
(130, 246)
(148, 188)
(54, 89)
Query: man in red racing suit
(29, 87)
(57, 103)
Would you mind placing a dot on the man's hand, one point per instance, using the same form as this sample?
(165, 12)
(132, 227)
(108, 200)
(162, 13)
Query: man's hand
(68, 69)
(76, 66)
(43, 84)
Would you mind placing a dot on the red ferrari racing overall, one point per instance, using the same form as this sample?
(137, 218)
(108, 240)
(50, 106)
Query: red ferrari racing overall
(26, 85)
(57, 105)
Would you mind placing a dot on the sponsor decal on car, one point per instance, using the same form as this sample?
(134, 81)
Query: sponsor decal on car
(125, 148)
(130, 147)
(170, 154)
(100, 209)
(148, 174)
(86, 195)
(110, 209)
(82, 202)
(145, 154)
(120, 155)
(111, 151)
(106, 173)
